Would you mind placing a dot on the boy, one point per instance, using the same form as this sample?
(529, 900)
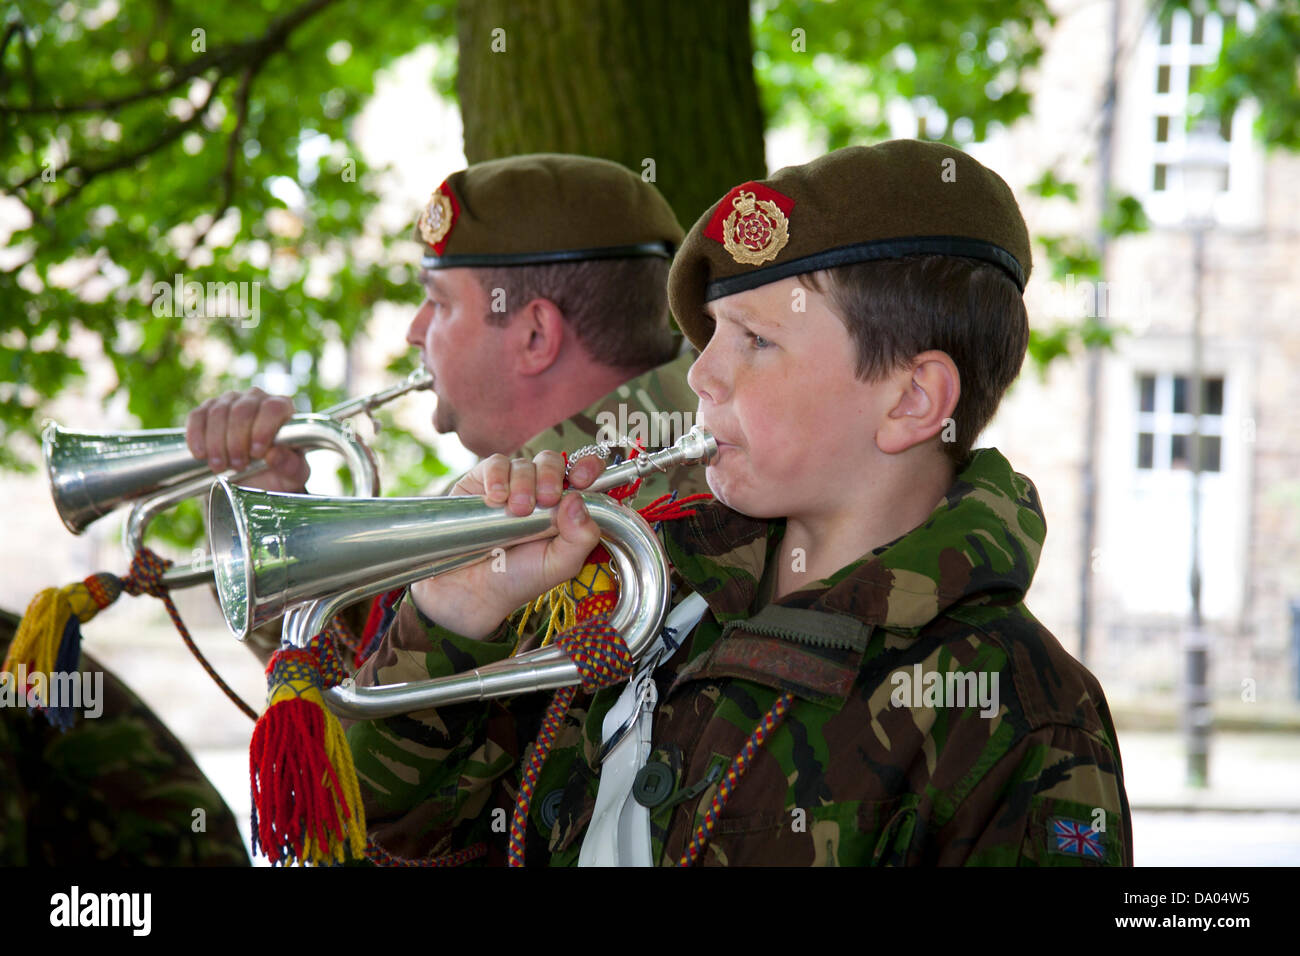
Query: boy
(864, 684)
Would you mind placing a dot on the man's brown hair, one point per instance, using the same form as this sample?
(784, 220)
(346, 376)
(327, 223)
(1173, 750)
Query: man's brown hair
(618, 307)
(895, 309)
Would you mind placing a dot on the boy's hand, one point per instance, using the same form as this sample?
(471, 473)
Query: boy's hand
(474, 600)
(236, 429)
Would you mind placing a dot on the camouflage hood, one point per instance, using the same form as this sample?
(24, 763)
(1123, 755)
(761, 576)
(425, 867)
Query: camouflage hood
(980, 545)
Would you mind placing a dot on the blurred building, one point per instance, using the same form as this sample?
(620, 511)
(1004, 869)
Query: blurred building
(1137, 560)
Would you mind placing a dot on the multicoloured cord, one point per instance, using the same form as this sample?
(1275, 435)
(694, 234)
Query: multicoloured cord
(377, 855)
(146, 577)
(704, 832)
(602, 659)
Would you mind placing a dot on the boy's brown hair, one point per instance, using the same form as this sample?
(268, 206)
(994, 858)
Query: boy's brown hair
(895, 309)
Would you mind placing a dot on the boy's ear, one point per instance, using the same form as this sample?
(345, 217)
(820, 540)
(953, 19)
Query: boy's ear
(928, 392)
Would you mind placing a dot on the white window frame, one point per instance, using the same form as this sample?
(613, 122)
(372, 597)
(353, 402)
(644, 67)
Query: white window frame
(1129, 544)
(1241, 206)
(1163, 423)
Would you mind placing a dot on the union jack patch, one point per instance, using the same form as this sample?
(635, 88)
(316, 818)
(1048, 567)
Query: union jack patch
(1076, 839)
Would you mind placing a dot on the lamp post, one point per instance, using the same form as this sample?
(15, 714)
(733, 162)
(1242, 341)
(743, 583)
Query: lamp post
(1202, 169)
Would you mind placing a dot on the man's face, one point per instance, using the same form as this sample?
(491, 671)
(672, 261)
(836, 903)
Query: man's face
(777, 387)
(464, 354)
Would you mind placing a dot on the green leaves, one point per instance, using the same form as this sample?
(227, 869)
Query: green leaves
(1048, 185)
(1262, 64)
(835, 67)
(171, 140)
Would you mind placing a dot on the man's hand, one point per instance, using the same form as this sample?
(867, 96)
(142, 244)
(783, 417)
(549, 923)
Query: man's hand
(474, 600)
(238, 428)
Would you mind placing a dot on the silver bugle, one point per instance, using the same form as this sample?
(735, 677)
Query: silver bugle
(307, 557)
(92, 474)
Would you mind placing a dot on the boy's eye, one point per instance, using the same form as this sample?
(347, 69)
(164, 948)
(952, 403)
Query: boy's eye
(757, 341)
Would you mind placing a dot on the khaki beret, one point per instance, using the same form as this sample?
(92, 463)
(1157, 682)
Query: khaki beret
(545, 207)
(854, 205)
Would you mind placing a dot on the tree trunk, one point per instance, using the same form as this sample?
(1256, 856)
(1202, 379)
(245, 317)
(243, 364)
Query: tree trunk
(667, 89)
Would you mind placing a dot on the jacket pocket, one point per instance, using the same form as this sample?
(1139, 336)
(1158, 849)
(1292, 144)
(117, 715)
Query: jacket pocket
(849, 833)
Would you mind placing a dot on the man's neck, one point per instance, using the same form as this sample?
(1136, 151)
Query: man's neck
(560, 394)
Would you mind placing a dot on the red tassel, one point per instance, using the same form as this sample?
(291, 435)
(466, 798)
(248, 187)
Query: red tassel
(306, 798)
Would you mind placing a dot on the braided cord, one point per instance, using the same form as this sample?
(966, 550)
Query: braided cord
(551, 724)
(602, 659)
(146, 577)
(773, 719)
(377, 855)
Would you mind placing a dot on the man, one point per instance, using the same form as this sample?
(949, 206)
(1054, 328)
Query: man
(545, 325)
(545, 322)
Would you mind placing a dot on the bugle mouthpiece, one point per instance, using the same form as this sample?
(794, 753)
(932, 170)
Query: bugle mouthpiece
(698, 446)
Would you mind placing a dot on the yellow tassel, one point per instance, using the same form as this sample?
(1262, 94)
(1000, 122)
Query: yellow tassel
(80, 601)
(563, 612)
(340, 755)
(592, 579)
(40, 632)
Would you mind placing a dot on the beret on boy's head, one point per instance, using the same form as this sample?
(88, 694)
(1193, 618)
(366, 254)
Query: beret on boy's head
(853, 205)
(542, 208)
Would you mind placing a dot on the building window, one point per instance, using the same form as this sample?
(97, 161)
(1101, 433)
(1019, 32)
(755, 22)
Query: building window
(1164, 422)
(1186, 46)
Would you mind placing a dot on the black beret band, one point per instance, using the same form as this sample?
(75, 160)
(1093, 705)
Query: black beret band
(663, 250)
(867, 252)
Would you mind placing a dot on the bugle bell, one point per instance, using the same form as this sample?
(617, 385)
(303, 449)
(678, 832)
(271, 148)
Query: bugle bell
(92, 474)
(308, 557)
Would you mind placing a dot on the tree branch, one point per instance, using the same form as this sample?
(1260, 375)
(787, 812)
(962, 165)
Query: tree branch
(232, 150)
(256, 53)
(88, 173)
(226, 58)
(14, 27)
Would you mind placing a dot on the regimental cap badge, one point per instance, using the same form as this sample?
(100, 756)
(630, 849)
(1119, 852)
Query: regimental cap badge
(438, 218)
(752, 223)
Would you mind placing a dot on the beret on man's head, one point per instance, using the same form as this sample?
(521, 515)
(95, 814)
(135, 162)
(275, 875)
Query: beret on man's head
(543, 208)
(856, 204)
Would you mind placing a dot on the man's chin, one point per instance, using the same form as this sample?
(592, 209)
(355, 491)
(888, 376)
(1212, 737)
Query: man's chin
(444, 424)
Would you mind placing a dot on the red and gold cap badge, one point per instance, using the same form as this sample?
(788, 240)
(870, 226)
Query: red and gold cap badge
(751, 223)
(438, 218)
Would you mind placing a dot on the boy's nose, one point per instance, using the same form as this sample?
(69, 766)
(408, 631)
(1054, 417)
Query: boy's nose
(703, 377)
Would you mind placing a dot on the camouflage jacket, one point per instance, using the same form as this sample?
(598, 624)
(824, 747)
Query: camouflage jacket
(881, 761)
(117, 790)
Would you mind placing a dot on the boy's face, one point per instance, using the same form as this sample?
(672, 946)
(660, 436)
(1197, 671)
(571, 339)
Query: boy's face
(795, 426)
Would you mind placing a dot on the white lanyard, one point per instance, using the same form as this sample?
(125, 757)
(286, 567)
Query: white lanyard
(619, 831)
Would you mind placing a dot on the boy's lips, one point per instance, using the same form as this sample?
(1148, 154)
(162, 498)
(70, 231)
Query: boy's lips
(722, 440)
